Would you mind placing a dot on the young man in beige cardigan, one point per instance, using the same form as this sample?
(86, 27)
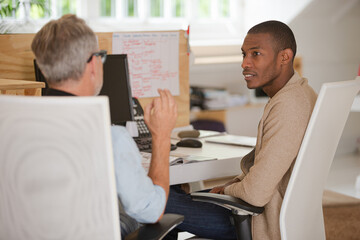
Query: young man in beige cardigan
(268, 50)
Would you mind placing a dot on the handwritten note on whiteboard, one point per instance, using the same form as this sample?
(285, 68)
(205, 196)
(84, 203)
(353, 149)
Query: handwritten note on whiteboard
(153, 61)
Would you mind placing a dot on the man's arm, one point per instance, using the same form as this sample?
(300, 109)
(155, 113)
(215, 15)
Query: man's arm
(283, 131)
(160, 117)
(221, 189)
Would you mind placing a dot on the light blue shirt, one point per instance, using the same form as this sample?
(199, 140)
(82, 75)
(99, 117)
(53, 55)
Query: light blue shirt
(141, 199)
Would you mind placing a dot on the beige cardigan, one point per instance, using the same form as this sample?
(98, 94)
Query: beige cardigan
(267, 169)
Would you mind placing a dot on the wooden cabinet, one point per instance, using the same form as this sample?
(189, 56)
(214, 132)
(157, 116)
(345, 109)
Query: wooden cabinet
(216, 115)
(20, 87)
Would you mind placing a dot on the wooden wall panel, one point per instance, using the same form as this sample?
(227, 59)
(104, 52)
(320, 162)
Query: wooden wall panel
(105, 41)
(16, 57)
(16, 62)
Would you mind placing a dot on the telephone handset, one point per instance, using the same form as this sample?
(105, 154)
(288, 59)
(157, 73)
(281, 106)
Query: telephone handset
(143, 141)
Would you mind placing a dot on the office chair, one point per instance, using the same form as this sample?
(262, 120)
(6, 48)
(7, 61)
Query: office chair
(56, 171)
(301, 215)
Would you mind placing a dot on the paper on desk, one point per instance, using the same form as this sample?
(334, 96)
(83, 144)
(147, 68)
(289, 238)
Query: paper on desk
(174, 159)
(233, 140)
(146, 159)
(184, 158)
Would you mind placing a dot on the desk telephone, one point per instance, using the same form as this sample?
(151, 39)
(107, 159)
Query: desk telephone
(143, 141)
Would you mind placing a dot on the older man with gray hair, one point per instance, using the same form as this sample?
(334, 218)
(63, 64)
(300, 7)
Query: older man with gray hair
(68, 54)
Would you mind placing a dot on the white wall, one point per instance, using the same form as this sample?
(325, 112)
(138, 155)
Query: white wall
(328, 37)
(263, 10)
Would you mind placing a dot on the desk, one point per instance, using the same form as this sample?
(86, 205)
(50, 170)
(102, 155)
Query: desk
(227, 163)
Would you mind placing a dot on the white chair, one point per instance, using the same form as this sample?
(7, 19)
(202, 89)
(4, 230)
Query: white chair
(56, 169)
(301, 215)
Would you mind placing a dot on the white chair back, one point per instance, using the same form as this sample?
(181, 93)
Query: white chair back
(56, 169)
(301, 214)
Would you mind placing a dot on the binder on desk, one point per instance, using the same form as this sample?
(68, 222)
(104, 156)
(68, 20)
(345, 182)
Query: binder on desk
(243, 141)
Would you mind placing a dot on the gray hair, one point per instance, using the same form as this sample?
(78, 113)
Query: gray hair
(62, 48)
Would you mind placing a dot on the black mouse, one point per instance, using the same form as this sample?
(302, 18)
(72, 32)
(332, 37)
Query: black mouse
(190, 143)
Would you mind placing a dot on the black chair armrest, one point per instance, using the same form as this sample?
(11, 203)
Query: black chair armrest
(157, 230)
(237, 205)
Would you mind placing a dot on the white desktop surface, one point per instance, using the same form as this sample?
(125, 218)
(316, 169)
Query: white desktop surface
(227, 163)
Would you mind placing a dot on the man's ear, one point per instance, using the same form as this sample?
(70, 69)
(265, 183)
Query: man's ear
(286, 56)
(92, 66)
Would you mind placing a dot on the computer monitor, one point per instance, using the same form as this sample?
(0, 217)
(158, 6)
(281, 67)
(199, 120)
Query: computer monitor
(116, 86)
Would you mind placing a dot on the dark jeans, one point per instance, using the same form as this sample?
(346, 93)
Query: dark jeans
(202, 219)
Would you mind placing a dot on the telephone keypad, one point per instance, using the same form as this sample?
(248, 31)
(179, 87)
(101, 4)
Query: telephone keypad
(142, 128)
(143, 141)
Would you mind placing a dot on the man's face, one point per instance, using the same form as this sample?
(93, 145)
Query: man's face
(260, 63)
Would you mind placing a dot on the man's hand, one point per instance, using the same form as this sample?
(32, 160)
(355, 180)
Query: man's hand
(221, 189)
(218, 189)
(160, 115)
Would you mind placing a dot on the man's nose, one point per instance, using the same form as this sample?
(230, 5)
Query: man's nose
(245, 63)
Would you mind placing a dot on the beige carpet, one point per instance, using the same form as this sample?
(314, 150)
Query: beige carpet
(341, 216)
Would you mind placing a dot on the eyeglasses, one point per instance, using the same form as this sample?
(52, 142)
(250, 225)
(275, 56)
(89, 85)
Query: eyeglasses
(101, 53)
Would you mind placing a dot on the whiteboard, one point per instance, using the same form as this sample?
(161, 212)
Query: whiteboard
(153, 61)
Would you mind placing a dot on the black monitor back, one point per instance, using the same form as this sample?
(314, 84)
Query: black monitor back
(116, 86)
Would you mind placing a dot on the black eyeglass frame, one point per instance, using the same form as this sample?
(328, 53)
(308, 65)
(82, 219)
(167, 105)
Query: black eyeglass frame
(101, 53)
